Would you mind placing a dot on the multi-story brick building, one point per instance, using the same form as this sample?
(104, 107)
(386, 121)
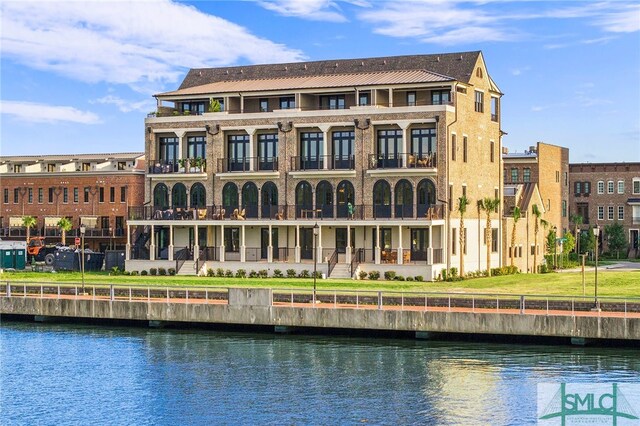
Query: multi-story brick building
(547, 166)
(603, 193)
(376, 151)
(91, 189)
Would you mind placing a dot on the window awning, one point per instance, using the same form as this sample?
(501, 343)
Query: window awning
(89, 221)
(51, 221)
(15, 221)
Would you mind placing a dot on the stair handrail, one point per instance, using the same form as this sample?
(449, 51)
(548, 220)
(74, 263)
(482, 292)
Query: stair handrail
(181, 257)
(356, 259)
(333, 260)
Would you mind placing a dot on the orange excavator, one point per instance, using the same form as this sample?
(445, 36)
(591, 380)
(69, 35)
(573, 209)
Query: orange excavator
(39, 251)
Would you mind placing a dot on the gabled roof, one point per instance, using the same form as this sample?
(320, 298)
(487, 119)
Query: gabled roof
(457, 66)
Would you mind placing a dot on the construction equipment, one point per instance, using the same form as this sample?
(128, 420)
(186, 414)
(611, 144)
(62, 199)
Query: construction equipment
(38, 251)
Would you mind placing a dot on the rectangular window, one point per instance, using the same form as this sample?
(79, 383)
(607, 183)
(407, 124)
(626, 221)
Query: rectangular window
(526, 174)
(40, 195)
(564, 208)
(600, 187)
(232, 240)
(610, 187)
(17, 168)
(65, 195)
(264, 105)
(122, 165)
(51, 195)
(364, 99)
(112, 194)
(577, 187)
(238, 153)
(566, 179)
(453, 147)
(332, 102)
(268, 151)
(168, 150)
(464, 149)
(494, 240)
(464, 190)
(51, 168)
(16, 196)
(311, 148)
(75, 194)
(440, 97)
(620, 187)
(450, 197)
(587, 187)
(101, 196)
(123, 194)
(514, 175)
(533, 249)
(30, 195)
(411, 98)
(454, 241)
(600, 213)
(636, 186)
(6, 195)
(288, 102)
(557, 176)
(620, 212)
(389, 148)
(479, 104)
(86, 194)
(343, 150)
(196, 108)
(492, 154)
(86, 167)
(196, 147)
(495, 108)
(610, 212)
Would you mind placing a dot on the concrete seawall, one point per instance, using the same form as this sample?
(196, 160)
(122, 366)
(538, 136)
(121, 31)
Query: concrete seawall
(255, 307)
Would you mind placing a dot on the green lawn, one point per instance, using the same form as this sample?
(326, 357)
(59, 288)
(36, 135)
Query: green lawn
(610, 283)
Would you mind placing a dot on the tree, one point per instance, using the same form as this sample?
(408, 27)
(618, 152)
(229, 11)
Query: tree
(516, 218)
(29, 222)
(536, 213)
(488, 205)
(65, 226)
(214, 105)
(463, 202)
(569, 244)
(577, 222)
(616, 239)
(587, 241)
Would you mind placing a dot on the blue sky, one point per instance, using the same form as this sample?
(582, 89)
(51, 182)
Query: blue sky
(78, 77)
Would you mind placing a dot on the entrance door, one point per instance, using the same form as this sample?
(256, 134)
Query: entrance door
(264, 242)
(634, 238)
(341, 239)
(419, 243)
(306, 243)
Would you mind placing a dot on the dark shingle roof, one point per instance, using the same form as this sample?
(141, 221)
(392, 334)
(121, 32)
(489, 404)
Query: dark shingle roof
(459, 66)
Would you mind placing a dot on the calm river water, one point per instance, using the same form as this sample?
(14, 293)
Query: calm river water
(55, 374)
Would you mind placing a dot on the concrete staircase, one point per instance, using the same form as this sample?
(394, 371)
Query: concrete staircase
(188, 268)
(341, 270)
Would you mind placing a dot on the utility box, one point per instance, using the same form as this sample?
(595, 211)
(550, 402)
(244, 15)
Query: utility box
(7, 260)
(20, 259)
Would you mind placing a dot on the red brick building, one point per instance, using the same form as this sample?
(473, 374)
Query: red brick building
(91, 189)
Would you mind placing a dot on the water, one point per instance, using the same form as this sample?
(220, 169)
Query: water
(55, 374)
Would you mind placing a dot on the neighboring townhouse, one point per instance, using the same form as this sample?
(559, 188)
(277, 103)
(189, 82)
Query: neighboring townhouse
(245, 161)
(547, 166)
(528, 249)
(94, 190)
(605, 193)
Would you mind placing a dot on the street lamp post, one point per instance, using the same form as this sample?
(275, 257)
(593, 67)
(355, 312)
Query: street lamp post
(82, 231)
(316, 230)
(596, 232)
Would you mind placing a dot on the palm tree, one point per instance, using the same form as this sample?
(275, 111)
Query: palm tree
(516, 217)
(462, 209)
(29, 222)
(65, 225)
(489, 205)
(537, 213)
(577, 221)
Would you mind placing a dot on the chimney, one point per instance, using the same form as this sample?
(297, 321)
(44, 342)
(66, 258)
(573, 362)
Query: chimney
(505, 150)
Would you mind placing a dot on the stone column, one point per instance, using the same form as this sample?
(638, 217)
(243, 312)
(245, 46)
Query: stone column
(400, 260)
(319, 248)
(325, 145)
(429, 246)
(243, 248)
(252, 148)
(347, 256)
(296, 253)
(127, 254)
(270, 246)
(152, 246)
(170, 242)
(221, 243)
(377, 253)
(196, 245)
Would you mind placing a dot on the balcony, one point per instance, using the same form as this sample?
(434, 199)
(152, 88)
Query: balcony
(332, 162)
(403, 160)
(247, 164)
(185, 165)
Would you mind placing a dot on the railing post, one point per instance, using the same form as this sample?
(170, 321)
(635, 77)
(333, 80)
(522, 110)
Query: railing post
(449, 303)
(148, 294)
(41, 291)
(473, 304)
(497, 304)
(402, 301)
(93, 292)
(357, 301)
(8, 289)
(521, 305)
(547, 306)
(379, 300)
(187, 293)
(167, 294)
(206, 295)
(111, 293)
(573, 314)
(129, 294)
(25, 291)
(625, 308)
(335, 299)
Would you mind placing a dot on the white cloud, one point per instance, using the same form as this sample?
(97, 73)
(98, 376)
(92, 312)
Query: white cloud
(315, 10)
(140, 43)
(624, 20)
(519, 71)
(126, 105)
(42, 113)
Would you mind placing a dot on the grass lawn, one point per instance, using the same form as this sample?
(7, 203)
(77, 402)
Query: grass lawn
(610, 283)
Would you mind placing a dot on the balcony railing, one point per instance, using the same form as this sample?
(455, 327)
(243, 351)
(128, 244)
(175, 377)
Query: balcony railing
(247, 164)
(402, 160)
(322, 162)
(186, 165)
(292, 212)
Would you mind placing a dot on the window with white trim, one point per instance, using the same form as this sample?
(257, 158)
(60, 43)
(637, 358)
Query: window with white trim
(610, 187)
(600, 187)
(620, 187)
(620, 212)
(600, 212)
(610, 213)
(636, 185)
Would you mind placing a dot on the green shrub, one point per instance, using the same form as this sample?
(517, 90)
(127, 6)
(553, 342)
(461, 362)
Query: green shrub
(291, 273)
(445, 275)
(172, 271)
(153, 271)
(277, 273)
(453, 273)
(144, 272)
(362, 275)
(409, 278)
(162, 271)
(304, 274)
(220, 272)
(134, 273)
(126, 273)
(318, 274)
(253, 274)
(419, 278)
(241, 273)
(398, 278)
(210, 272)
(115, 271)
(374, 275)
(389, 275)
(228, 273)
(263, 273)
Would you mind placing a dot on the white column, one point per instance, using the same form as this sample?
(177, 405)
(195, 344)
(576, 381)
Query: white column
(181, 135)
(170, 242)
(270, 246)
(347, 256)
(252, 148)
(319, 251)
(429, 247)
(406, 142)
(196, 246)
(152, 246)
(221, 243)
(127, 254)
(390, 97)
(377, 253)
(325, 145)
(400, 245)
(243, 253)
(297, 248)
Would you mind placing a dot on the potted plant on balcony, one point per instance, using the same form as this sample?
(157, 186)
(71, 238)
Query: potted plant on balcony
(214, 105)
(196, 164)
(184, 165)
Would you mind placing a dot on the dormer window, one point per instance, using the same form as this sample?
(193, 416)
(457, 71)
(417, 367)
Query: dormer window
(264, 105)
(122, 165)
(17, 168)
(411, 98)
(364, 98)
(332, 102)
(86, 167)
(440, 97)
(51, 168)
(288, 102)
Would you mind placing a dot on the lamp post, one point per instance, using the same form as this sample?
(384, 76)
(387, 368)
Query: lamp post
(316, 230)
(82, 231)
(596, 232)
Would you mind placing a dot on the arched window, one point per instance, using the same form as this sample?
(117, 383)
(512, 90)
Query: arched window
(404, 199)
(304, 201)
(179, 196)
(426, 195)
(269, 197)
(198, 196)
(324, 198)
(479, 72)
(230, 198)
(250, 200)
(381, 199)
(161, 197)
(345, 196)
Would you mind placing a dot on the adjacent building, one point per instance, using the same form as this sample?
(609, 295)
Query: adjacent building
(94, 190)
(244, 162)
(605, 193)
